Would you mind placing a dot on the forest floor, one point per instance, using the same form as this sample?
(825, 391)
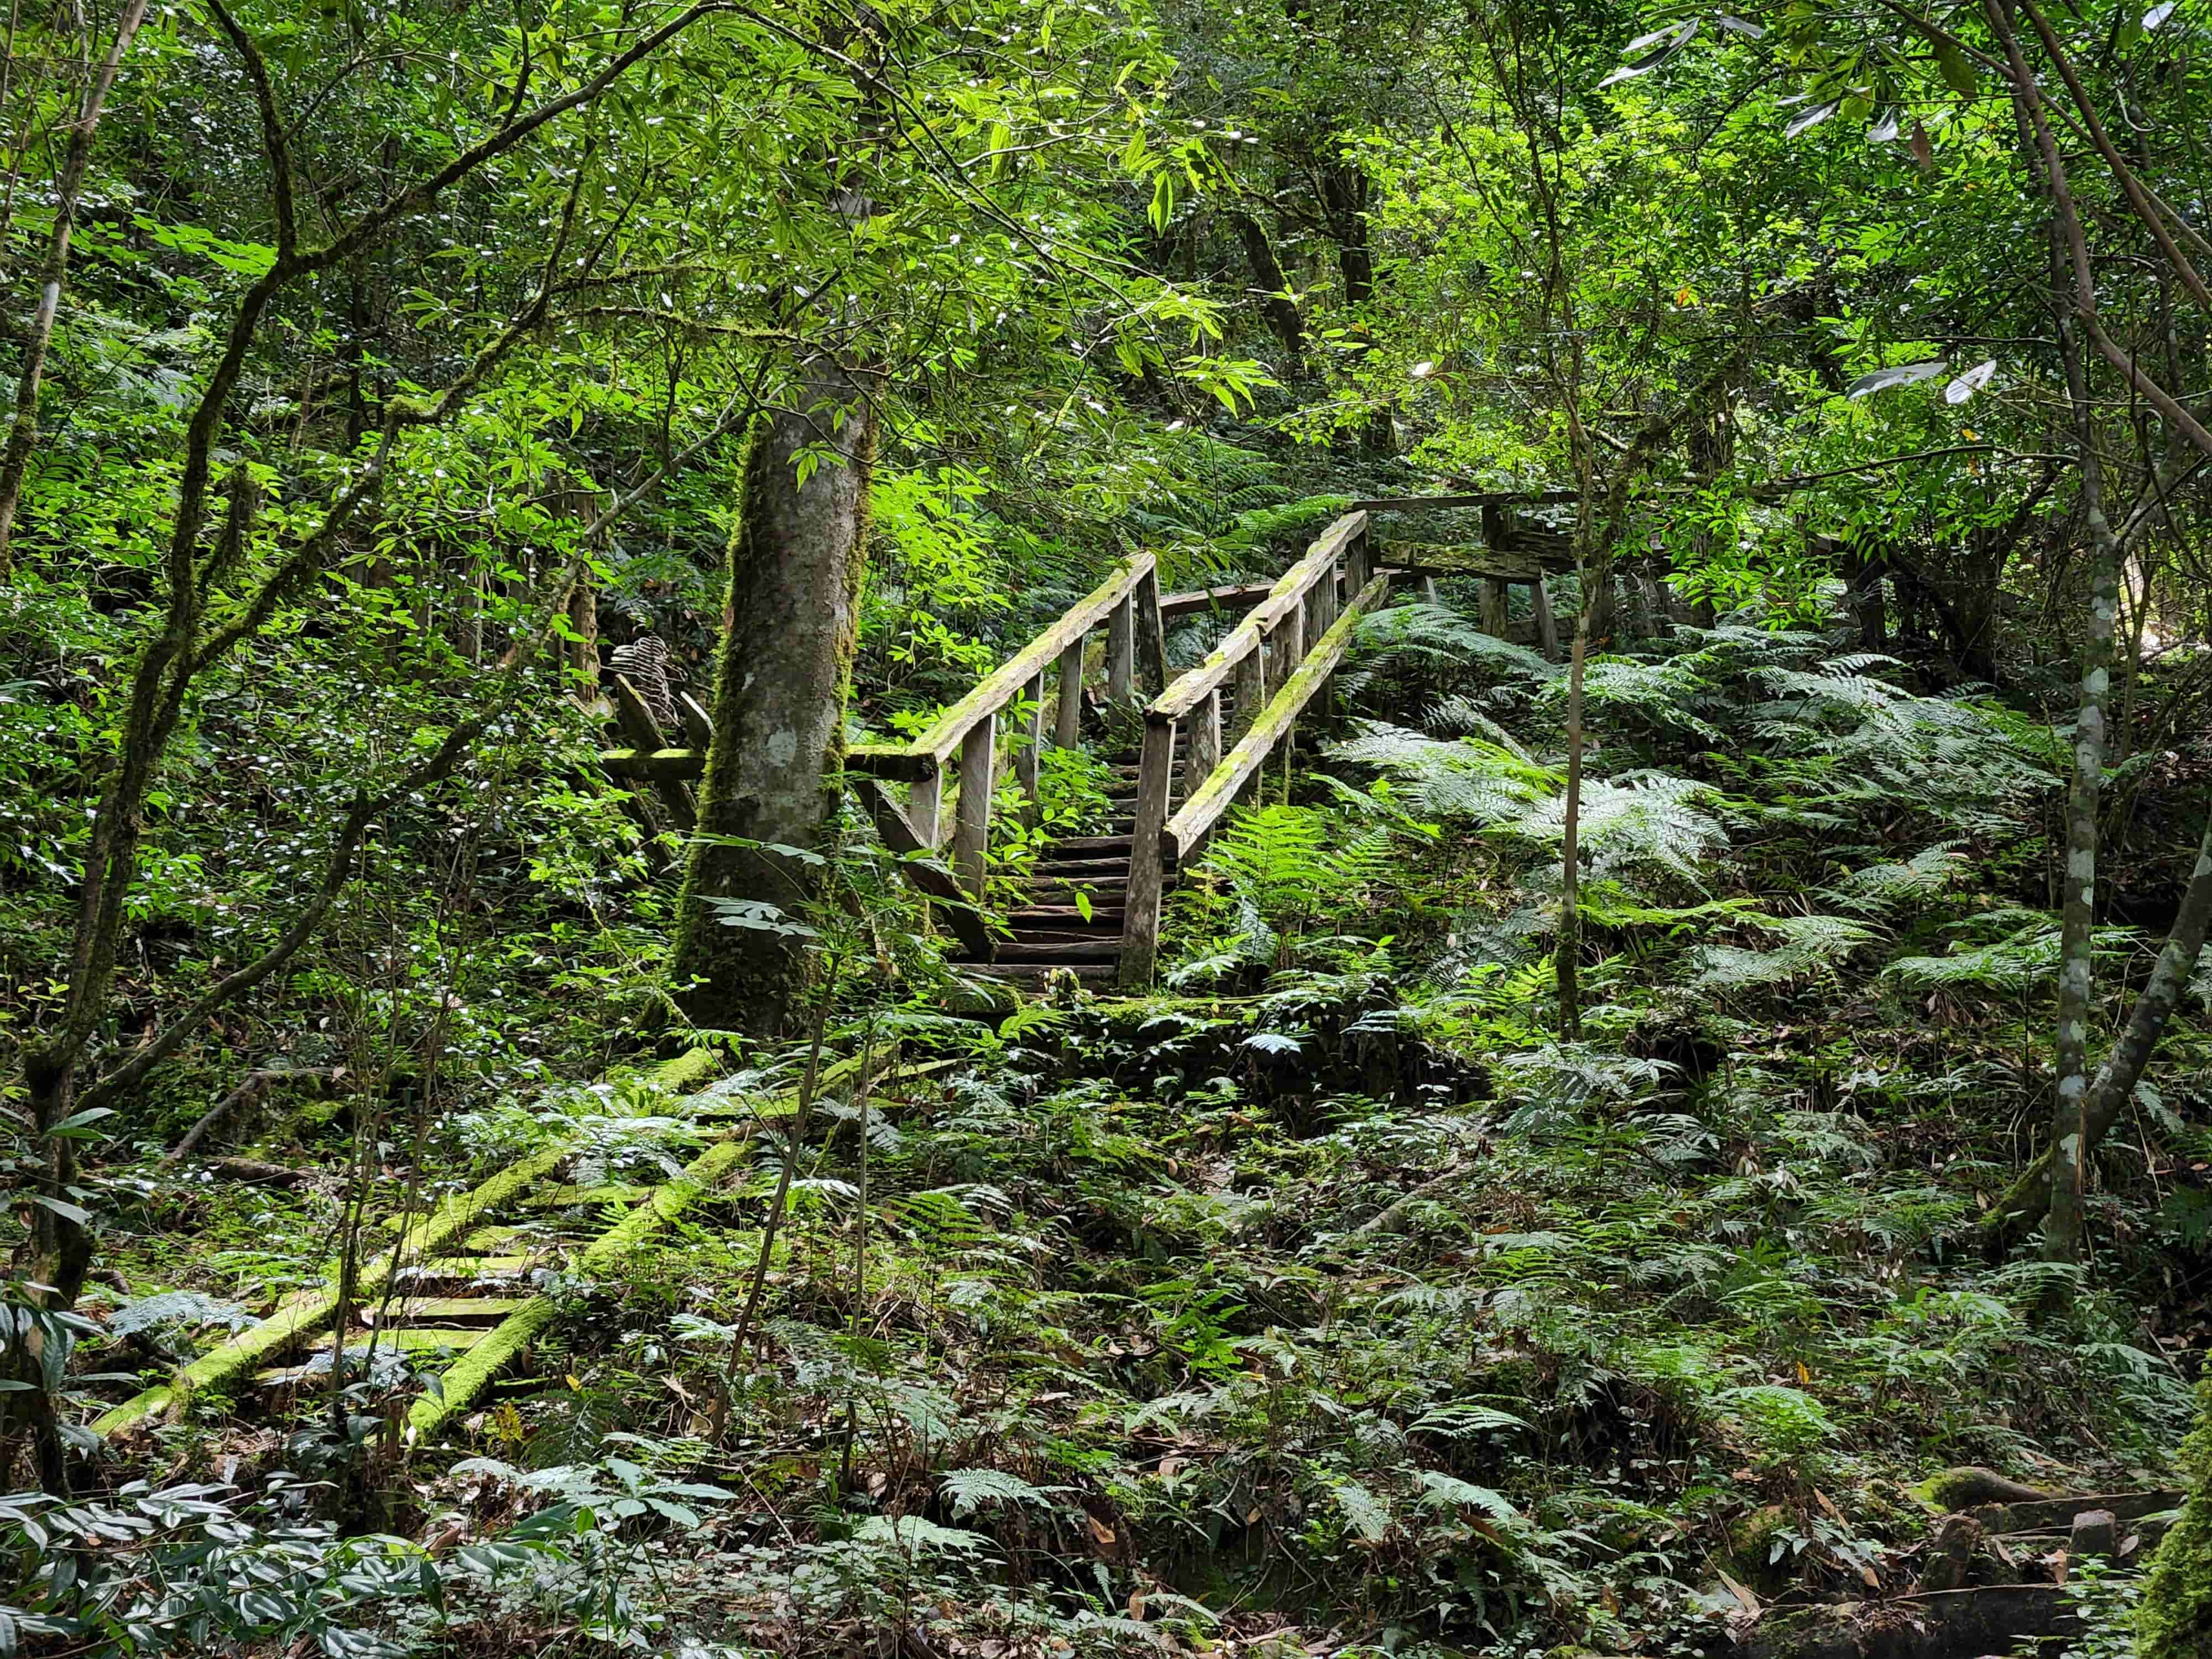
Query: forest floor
(1243, 1326)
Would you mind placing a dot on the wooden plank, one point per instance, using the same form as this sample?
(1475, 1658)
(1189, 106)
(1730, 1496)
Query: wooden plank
(928, 874)
(1140, 931)
(1290, 589)
(945, 735)
(971, 830)
(1067, 719)
(698, 725)
(901, 763)
(1193, 601)
(1212, 798)
(468, 1309)
(1122, 650)
(656, 764)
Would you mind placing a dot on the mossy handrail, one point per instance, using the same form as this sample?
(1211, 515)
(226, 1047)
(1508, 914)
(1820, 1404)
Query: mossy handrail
(1268, 656)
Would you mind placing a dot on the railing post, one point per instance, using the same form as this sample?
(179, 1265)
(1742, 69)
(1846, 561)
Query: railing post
(1151, 640)
(1547, 627)
(922, 803)
(971, 830)
(1358, 567)
(1140, 927)
(1067, 722)
(1120, 649)
(1251, 682)
(1289, 643)
(1494, 612)
(1205, 753)
(1028, 736)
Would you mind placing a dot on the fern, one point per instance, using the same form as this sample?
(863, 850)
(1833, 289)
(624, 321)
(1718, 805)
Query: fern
(153, 1313)
(1811, 947)
(1431, 638)
(911, 1534)
(968, 1490)
(1663, 695)
(1881, 887)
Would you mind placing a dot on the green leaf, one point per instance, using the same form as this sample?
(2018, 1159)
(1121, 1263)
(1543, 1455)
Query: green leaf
(1958, 70)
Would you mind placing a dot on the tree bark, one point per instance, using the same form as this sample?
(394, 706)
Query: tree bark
(2107, 1096)
(1567, 962)
(778, 745)
(23, 434)
(1273, 288)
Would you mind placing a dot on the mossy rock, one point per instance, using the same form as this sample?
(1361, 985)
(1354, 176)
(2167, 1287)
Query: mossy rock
(1751, 1548)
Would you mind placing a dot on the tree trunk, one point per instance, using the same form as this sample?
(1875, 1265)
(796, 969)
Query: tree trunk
(2101, 1105)
(23, 434)
(1567, 962)
(1274, 290)
(778, 743)
(2069, 1136)
(1344, 188)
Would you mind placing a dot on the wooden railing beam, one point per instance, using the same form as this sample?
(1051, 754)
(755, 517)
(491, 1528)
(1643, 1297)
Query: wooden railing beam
(1344, 539)
(1210, 799)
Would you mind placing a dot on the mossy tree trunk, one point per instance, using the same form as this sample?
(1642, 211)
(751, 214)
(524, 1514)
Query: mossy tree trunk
(778, 743)
(2174, 1618)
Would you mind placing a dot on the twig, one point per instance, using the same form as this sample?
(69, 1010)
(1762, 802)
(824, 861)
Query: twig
(255, 1083)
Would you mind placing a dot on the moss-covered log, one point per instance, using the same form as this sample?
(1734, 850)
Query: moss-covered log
(309, 1313)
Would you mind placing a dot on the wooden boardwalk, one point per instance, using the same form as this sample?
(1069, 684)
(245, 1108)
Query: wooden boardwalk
(1206, 737)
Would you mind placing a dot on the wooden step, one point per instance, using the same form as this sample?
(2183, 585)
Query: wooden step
(448, 1309)
(468, 1269)
(1066, 916)
(1085, 844)
(406, 1341)
(1032, 976)
(568, 1197)
(1063, 951)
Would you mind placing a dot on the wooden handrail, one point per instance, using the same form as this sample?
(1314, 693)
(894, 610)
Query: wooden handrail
(1301, 603)
(1008, 680)
(1206, 802)
(1289, 591)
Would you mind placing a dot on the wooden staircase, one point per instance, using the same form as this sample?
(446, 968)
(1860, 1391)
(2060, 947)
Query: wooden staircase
(1251, 692)
(1050, 931)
